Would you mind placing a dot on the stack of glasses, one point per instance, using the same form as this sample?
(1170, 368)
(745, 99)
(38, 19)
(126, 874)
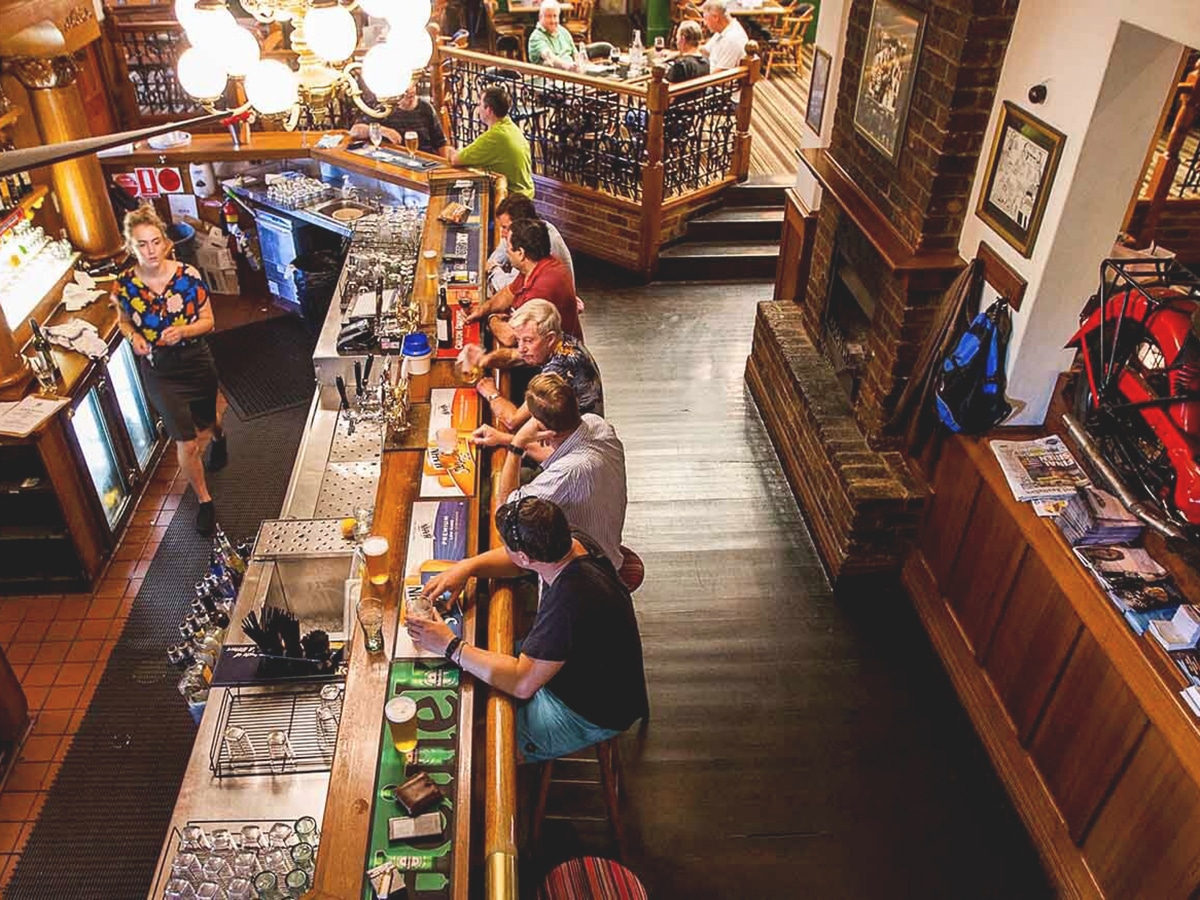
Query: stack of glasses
(248, 864)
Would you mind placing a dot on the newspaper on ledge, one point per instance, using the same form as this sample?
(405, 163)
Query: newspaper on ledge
(1039, 470)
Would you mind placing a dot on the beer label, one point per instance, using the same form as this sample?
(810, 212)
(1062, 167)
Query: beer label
(443, 331)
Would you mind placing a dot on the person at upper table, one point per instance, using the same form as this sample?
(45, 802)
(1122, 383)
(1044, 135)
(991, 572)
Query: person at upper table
(579, 671)
(690, 63)
(542, 345)
(410, 113)
(549, 43)
(541, 276)
(727, 46)
(500, 270)
(502, 148)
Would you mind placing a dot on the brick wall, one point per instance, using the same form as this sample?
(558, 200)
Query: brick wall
(592, 223)
(1178, 228)
(925, 191)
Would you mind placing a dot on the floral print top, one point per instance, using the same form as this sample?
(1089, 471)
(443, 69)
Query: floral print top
(151, 313)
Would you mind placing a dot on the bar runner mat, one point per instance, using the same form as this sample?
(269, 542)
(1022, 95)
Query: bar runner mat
(265, 366)
(108, 813)
(427, 862)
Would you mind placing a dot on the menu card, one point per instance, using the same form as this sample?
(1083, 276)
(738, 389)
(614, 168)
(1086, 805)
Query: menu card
(23, 418)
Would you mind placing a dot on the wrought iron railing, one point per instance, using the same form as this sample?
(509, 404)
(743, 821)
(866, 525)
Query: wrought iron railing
(147, 48)
(700, 132)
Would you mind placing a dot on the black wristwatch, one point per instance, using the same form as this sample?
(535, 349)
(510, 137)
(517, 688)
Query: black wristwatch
(519, 451)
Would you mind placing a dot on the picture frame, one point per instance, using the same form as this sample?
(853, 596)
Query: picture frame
(1019, 176)
(889, 68)
(818, 85)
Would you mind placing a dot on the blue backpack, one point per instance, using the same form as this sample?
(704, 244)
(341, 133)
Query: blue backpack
(970, 380)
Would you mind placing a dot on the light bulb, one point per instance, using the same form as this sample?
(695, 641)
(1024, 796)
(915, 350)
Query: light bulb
(411, 48)
(377, 8)
(208, 27)
(407, 14)
(200, 75)
(238, 51)
(330, 32)
(185, 12)
(271, 87)
(383, 74)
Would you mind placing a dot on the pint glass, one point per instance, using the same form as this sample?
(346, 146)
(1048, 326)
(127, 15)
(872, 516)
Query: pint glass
(375, 552)
(401, 713)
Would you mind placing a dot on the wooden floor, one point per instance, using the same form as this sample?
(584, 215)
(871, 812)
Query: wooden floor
(776, 119)
(798, 746)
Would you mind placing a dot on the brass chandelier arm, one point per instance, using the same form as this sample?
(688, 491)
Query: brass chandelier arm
(356, 93)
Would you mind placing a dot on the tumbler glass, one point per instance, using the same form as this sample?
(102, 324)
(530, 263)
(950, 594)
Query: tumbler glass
(302, 856)
(267, 885)
(279, 749)
(240, 889)
(218, 870)
(187, 867)
(210, 890)
(296, 883)
(278, 861)
(306, 826)
(195, 839)
(252, 838)
(280, 835)
(246, 865)
(178, 889)
(239, 745)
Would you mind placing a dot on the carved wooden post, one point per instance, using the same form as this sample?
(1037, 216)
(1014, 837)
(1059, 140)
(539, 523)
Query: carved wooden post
(1168, 163)
(741, 148)
(657, 97)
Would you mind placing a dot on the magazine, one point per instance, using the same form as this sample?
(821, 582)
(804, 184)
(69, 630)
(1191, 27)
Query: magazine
(1039, 470)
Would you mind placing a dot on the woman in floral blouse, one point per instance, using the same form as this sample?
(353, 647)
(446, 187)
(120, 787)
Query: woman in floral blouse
(164, 313)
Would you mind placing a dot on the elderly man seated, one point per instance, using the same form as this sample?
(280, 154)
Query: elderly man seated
(727, 46)
(582, 462)
(549, 43)
(541, 344)
(579, 670)
(690, 63)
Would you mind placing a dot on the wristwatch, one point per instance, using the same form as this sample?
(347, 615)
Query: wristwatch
(492, 396)
(519, 451)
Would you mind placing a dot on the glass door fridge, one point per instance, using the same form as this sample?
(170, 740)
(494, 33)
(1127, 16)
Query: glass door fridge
(99, 451)
(140, 423)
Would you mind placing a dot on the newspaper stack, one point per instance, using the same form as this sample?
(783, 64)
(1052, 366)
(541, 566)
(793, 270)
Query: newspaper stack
(1039, 470)
(1131, 578)
(1093, 517)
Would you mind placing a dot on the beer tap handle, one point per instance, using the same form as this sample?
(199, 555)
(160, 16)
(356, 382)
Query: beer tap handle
(358, 379)
(341, 389)
(367, 369)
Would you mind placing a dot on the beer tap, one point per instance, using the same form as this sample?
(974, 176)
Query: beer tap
(340, 382)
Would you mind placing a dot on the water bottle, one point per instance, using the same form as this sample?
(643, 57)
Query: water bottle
(637, 53)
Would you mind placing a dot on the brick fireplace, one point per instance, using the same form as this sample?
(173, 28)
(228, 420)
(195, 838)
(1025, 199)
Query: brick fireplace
(828, 369)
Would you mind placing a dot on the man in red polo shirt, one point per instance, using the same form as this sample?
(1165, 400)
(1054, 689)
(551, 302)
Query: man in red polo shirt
(541, 276)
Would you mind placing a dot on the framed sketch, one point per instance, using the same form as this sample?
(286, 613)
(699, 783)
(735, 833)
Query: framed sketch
(888, 71)
(814, 111)
(1020, 173)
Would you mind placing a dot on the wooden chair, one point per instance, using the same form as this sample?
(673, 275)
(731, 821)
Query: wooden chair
(611, 782)
(786, 47)
(506, 36)
(580, 23)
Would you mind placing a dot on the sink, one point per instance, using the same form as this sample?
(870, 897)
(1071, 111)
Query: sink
(342, 210)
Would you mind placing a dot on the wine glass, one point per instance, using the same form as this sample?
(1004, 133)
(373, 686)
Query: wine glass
(376, 134)
(660, 45)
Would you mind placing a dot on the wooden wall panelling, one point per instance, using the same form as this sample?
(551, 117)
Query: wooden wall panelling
(1146, 840)
(981, 578)
(1092, 710)
(1033, 638)
(948, 511)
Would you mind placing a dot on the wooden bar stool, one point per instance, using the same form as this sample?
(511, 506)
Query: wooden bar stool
(593, 877)
(611, 782)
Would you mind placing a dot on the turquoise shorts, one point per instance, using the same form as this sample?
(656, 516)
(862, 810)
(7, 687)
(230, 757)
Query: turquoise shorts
(547, 728)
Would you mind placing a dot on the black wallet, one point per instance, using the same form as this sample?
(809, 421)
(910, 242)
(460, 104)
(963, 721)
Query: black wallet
(418, 794)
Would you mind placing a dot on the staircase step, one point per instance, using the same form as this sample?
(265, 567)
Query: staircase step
(768, 190)
(738, 223)
(718, 261)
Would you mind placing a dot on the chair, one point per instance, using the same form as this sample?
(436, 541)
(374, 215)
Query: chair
(506, 36)
(593, 877)
(611, 782)
(580, 23)
(633, 571)
(787, 41)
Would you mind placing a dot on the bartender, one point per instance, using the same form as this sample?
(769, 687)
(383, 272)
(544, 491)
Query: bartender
(410, 113)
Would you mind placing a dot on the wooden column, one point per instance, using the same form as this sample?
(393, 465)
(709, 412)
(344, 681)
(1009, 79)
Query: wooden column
(741, 149)
(657, 97)
(78, 183)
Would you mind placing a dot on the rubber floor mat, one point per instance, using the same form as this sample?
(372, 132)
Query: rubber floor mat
(106, 816)
(265, 366)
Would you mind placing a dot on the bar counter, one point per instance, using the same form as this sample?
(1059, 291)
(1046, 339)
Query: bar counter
(343, 798)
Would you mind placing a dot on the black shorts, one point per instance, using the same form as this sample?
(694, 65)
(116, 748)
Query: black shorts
(181, 382)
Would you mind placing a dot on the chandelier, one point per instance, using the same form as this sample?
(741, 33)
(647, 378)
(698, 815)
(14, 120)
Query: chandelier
(324, 38)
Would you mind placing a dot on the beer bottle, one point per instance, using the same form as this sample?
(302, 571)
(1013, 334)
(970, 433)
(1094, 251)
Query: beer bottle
(445, 330)
(431, 756)
(41, 344)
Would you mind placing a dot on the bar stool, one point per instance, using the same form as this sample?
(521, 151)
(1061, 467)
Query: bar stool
(611, 782)
(633, 571)
(593, 877)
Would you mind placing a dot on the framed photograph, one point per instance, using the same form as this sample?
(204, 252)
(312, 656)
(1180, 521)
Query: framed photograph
(1019, 175)
(814, 111)
(888, 70)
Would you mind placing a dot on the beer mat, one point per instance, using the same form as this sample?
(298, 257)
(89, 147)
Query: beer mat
(402, 646)
(460, 243)
(415, 436)
(396, 158)
(443, 475)
(437, 534)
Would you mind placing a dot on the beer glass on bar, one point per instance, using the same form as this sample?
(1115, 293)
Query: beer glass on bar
(370, 617)
(401, 714)
(375, 554)
(411, 141)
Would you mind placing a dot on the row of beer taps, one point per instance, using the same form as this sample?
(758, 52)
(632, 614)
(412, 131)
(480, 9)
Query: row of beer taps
(386, 403)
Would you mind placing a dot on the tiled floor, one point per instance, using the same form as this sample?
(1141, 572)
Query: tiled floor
(58, 646)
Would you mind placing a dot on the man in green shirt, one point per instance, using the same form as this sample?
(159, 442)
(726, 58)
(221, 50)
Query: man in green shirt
(549, 43)
(502, 148)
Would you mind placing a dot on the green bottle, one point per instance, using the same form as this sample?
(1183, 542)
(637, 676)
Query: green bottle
(431, 756)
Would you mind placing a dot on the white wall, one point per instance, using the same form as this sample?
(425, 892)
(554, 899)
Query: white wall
(831, 37)
(1108, 66)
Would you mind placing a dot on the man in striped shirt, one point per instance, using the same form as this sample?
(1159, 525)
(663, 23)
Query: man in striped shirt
(582, 462)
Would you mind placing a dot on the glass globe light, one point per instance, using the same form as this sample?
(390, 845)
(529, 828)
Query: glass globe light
(411, 48)
(208, 24)
(404, 15)
(200, 75)
(185, 13)
(380, 9)
(271, 87)
(330, 32)
(239, 52)
(383, 74)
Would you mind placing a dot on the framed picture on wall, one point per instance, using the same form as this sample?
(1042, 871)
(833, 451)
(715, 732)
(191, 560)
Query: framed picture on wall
(814, 111)
(888, 71)
(1019, 175)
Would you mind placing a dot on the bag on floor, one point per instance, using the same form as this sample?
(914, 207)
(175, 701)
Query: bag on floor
(970, 382)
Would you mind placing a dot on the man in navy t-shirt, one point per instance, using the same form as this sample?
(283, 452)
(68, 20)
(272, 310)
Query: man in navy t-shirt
(580, 668)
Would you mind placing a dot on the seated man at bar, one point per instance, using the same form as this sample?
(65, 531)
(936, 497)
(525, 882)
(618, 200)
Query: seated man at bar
(501, 272)
(690, 63)
(582, 462)
(541, 344)
(549, 43)
(727, 45)
(540, 275)
(410, 113)
(502, 148)
(579, 670)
